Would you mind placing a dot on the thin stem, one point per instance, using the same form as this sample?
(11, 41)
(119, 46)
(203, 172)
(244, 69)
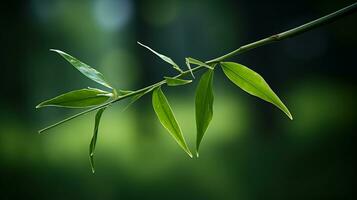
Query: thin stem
(290, 33)
(184, 73)
(74, 116)
(84, 112)
(274, 38)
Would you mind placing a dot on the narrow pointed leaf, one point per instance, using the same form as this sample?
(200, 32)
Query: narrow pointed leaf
(167, 118)
(189, 67)
(176, 81)
(137, 97)
(93, 141)
(204, 105)
(133, 100)
(85, 69)
(197, 62)
(163, 57)
(124, 92)
(253, 83)
(78, 99)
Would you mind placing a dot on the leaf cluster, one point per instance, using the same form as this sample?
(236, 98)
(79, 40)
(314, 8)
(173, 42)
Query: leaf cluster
(245, 78)
(98, 100)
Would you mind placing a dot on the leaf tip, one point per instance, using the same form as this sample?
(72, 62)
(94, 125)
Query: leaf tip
(287, 112)
(291, 117)
(190, 154)
(41, 105)
(197, 154)
(56, 50)
(91, 160)
(139, 43)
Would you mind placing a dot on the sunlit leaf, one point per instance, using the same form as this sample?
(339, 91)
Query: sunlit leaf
(167, 118)
(85, 69)
(197, 62)
(163, 57)
(176, 81)
(204, 105)
(253, 83)
(78, 99)
(93, 142)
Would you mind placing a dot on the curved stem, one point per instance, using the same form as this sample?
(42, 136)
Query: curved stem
(274, 38)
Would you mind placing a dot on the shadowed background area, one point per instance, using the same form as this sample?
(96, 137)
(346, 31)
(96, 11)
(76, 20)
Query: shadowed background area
(251, 149)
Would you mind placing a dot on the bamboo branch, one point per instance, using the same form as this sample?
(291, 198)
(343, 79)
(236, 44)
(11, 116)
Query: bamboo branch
(274, 38)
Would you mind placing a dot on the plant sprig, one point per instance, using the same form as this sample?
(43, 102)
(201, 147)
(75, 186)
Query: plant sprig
(243, 77)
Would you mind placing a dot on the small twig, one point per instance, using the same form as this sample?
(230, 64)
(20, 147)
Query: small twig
(290, 33)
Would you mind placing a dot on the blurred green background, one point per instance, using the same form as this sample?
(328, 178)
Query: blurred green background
(251, 149)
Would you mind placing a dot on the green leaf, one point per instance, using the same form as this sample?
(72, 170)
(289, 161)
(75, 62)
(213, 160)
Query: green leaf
(196, 62)
(137, 97)
(189, 67)
(85, 69)
(170, 81)
(163, 57)
(204, 105)
(78, 99)
(93, 142)
(167, 118)
(253, 83)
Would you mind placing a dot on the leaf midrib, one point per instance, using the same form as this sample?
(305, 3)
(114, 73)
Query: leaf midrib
(163, 99)
(271, 100)
(81, 99)
(206, 99)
